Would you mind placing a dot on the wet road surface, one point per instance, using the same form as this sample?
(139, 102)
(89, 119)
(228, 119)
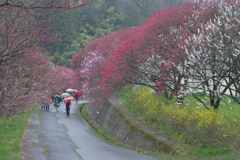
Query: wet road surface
(53, 136)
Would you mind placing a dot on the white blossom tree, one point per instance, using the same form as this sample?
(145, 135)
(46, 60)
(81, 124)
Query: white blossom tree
(214, 54)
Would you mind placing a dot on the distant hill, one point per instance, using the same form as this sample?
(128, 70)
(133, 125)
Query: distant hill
(139, 10)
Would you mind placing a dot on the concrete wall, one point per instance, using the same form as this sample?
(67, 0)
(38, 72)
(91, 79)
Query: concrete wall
(115, 122)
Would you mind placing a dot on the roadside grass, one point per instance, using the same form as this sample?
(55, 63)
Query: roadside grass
(11, 132)
(199, 133)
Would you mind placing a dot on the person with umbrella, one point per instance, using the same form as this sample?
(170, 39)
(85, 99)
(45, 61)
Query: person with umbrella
(68, 101)
(65, 94)
(71, 91)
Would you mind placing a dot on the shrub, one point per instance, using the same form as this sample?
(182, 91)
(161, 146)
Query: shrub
(190, 123)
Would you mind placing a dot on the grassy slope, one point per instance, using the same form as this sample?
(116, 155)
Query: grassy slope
(142, 106)
(11, 132)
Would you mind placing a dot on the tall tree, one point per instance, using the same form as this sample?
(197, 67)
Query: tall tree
(20, 67)
(214, 54)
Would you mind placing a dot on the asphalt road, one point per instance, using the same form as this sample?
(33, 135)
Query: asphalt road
(53, 136)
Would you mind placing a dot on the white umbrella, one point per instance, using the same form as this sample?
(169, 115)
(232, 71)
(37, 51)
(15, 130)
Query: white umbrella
(70, 90)
(66, 95)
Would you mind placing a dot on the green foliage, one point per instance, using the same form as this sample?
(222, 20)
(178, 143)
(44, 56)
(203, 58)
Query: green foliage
(11, 132)
(189, 124)
(76, 28)
(109, 20)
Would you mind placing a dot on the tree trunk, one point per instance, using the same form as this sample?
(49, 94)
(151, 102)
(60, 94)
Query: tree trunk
(215, 101)
(167, 94)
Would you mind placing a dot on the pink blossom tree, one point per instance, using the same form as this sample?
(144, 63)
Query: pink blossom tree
(24, 71)
(160, 37)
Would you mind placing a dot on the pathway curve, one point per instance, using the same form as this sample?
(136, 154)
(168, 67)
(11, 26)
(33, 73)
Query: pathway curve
(53, 136)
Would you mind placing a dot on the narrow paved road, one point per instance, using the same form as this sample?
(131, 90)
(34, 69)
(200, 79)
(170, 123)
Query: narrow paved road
(53, 136)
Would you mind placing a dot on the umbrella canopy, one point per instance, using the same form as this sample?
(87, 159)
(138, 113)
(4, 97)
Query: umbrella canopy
(71, 90)
(68, 99)
(66, 95)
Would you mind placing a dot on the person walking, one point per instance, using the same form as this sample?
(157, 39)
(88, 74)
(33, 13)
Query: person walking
(77, 95)
(67, 106)
(56, 101)
(45, 106)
